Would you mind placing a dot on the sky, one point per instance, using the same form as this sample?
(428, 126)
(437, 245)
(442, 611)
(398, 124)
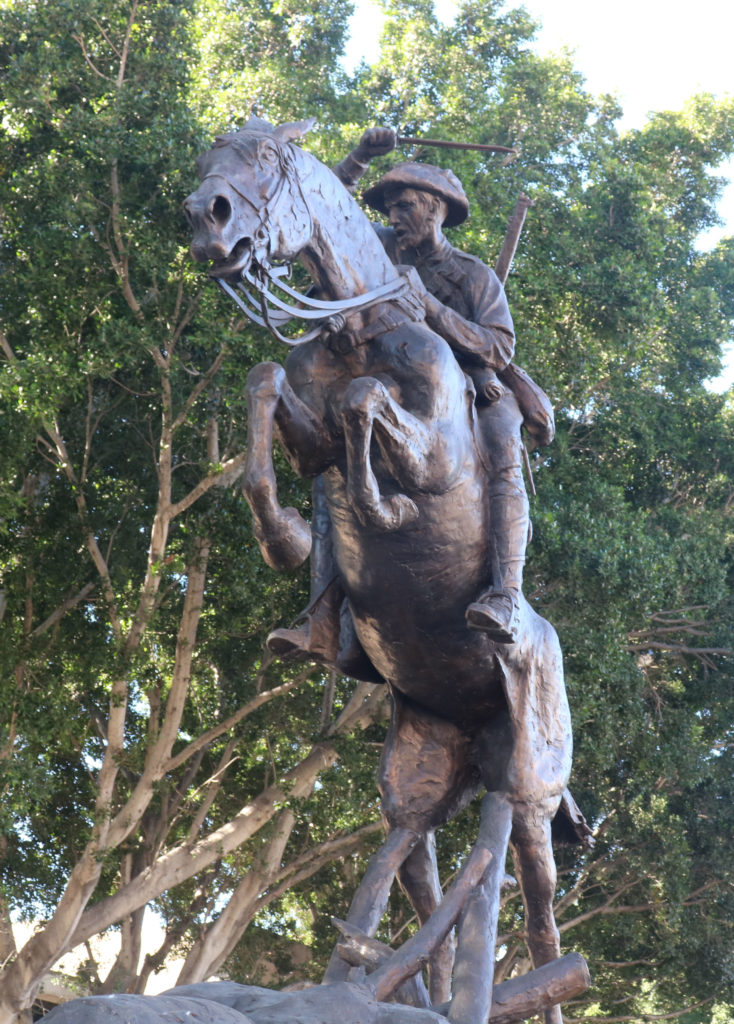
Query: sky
(651, 54)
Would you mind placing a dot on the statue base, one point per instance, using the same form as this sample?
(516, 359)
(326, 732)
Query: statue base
(226, 1002)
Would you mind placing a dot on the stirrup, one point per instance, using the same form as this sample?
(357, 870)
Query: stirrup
(496, 613)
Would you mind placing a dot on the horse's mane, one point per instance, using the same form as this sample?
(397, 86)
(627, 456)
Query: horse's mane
(256, 128)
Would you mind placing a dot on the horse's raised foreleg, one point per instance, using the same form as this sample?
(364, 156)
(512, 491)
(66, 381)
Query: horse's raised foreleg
(536, 871)
(283, 536)
(387, 512)
(415, 452)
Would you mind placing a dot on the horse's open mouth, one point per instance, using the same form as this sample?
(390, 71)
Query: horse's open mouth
(239, 260)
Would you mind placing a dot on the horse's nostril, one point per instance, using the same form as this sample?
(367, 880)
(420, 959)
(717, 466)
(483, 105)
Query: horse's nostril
(221, 209)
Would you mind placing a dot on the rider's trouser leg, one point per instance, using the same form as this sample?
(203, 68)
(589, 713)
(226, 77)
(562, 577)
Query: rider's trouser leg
(323, 565)
(496, 611)
(316, 636)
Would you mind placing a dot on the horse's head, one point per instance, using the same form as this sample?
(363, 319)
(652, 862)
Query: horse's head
(249, 206)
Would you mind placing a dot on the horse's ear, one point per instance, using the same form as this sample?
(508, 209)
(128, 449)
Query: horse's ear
(257, 124)
(293, 130)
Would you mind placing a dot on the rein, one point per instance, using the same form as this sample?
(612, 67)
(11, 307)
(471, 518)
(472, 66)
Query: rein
(329, 315)
(268, 310)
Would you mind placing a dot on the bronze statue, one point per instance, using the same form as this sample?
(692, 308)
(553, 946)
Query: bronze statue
(464, 302)
(373, 400)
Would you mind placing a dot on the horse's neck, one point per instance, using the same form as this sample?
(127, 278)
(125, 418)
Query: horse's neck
(344, 256)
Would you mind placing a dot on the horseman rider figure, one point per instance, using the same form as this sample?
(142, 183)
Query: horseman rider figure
(465, 304)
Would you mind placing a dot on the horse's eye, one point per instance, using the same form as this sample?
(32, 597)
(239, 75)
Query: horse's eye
(268, 155)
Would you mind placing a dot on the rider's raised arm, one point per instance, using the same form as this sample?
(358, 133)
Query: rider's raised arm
(374, 142)
(485, 335)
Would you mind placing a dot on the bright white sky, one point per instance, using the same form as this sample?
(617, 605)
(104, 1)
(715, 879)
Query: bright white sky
(651, 54)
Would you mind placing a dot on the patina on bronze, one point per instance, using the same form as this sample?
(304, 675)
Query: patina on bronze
(378, 405)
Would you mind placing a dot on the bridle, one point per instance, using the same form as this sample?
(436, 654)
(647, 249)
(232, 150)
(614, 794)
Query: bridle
(268, 310)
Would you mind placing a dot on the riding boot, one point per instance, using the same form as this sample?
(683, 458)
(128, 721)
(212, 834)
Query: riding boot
(315, 635)
(497, 611)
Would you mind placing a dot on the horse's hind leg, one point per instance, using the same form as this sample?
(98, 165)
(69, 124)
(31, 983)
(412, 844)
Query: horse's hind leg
(425, 779)
(418, 878)
(536, 871)
(477, 928)
(370, 900)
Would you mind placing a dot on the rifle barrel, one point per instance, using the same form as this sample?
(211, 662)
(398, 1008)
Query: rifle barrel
(512, 236)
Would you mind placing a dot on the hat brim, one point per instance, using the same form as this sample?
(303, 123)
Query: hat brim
(457, 207)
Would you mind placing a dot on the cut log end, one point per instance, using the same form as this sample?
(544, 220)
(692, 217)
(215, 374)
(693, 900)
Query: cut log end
(538, 990)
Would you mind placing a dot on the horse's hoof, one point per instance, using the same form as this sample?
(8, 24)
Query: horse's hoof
(389, 514)
(401, 511)
(288, 644)
(286, 542)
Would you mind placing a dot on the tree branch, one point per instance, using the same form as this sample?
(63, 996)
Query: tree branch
(106, 36)
(88, 59)
(218, 940)
(672, 648)
(221, 478)
(126, 45)
(121, 263)
(229, 723)
(182, 322)
(211, 789)
(312, 860)
(200, 386)
(6, 347)
(174, 933)
(7, 939)
(158, 753)
(63, 608)
(64, 462)
(186, 860)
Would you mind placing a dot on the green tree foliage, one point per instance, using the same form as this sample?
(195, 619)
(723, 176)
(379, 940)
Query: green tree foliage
(139, 721)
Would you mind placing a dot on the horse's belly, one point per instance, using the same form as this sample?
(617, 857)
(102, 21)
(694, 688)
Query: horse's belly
(408, 591)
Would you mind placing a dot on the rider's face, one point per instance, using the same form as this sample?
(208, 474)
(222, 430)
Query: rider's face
(410, 214)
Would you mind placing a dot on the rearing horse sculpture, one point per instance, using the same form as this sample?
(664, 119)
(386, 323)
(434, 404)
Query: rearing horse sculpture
(377, 404)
